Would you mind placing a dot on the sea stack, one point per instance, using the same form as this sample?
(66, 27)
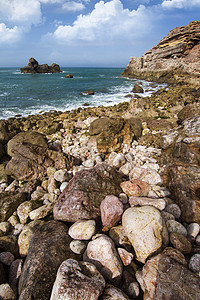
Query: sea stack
(34, 67)
(174, 56)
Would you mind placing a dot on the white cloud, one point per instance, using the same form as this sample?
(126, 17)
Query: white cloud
(180, 3)
(107, 22)
(73, 6)
(19, 12)
(9, 35)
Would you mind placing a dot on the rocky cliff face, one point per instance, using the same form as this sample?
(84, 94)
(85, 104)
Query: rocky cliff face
(34, 67)
(176, 54)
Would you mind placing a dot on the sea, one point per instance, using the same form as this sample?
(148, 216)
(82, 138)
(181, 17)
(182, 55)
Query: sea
(29, 94)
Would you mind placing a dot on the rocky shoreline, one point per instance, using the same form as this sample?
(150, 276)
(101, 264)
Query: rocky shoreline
(103, 203)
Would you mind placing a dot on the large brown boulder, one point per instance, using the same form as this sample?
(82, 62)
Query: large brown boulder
(177, 53)
(34, 67)
(48, 248)
(112, 133)
(184, 185)
(162, 277)
(82, 197)
(30, 137)
(31, 157)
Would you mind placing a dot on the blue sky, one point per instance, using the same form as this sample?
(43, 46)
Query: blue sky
(87, 32)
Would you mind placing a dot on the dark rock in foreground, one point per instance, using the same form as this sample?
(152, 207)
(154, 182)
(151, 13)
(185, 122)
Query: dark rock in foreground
(49, 247)
(82, 197)
(34, 67)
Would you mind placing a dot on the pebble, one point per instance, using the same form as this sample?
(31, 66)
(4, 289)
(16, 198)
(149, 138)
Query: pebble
(63, 186)
(25, 208)
(38, 193)
(125, 256)
(135, 188)
(159, 203)
(50, 171)
(119, 160)
(82, 229)
(62, 176)
(198, 240)
(174, 209)
(113, 293)
(18, 229)
(6, 258)
(194, 263)
(111, 209)
(102, 253)
(118, 235)
(167, 216)
(41, 212)
(5, 227)
(78, 246)
(193, 229)
(6, 293)
(180, 242)
(24, 240)
(174, 226)
(52, 184)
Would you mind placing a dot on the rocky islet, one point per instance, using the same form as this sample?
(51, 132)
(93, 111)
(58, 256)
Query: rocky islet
(104, 203)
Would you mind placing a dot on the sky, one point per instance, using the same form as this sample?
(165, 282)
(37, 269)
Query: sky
(87, 33)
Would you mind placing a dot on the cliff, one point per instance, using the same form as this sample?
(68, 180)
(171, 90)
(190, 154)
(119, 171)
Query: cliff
(34, 67)
(176, 54)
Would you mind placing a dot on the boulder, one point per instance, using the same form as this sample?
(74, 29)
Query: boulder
(145, 229)
(82, 196)
(112, 133)
(164, 278)
(184, 184)
(34, 67)
(137, 89)
(77, 280)
(30, 137)
(31, 161)
(102, 253)
(48, 248)
(9, 203)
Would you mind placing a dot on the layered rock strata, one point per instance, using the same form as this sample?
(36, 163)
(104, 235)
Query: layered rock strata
(176, 54)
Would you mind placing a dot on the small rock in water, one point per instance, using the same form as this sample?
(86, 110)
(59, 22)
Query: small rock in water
(89, 92)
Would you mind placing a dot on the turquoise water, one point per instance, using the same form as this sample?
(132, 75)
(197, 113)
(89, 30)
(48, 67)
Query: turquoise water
(27, 94)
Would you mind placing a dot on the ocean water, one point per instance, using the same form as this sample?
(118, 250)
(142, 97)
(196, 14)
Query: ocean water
(28, 94)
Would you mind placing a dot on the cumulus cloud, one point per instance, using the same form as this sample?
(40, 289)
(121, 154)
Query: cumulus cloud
(9, 35)
(73, 6)
(108, 21)
(19, 12)
(180, 3)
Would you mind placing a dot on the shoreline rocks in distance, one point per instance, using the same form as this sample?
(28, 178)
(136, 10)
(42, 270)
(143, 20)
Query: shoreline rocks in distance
(34, 67)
